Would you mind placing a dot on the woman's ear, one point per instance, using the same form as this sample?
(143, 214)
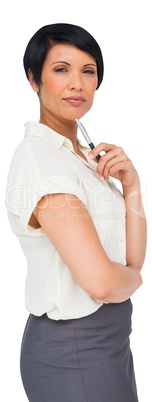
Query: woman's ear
(32, 81)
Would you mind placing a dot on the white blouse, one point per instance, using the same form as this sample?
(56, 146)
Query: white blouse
(45, 163)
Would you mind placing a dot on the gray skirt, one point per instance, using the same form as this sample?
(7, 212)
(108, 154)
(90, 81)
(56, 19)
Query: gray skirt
(80, 360)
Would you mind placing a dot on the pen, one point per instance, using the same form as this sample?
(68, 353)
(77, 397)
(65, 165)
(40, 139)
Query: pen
(86, 136)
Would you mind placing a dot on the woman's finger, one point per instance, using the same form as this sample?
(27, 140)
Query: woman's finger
(104, 168)
(101, 148)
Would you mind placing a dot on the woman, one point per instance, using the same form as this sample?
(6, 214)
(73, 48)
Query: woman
(83, 239)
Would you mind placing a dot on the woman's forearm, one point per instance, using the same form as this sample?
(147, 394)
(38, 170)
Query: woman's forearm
(136, 228)
(115, 163)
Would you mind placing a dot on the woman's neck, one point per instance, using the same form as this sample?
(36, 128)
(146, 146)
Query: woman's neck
(67, 128)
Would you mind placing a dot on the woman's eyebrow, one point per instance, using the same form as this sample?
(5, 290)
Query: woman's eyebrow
(90, 64)
(60, 61)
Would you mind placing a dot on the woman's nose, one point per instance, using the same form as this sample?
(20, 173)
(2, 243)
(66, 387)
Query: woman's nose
(76, 82)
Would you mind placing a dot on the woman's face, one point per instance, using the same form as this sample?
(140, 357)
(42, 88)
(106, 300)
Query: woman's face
(68, 82)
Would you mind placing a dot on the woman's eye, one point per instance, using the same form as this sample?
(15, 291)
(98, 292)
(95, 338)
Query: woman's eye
(89, 71)
(60, 70)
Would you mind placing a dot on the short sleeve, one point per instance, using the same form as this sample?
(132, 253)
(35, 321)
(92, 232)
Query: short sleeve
(52, 185)
(22, 200)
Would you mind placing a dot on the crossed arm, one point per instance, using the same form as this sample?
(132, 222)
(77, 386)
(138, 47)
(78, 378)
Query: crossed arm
(76, 240)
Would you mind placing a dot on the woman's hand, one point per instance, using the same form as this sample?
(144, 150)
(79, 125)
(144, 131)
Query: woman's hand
(114, 162)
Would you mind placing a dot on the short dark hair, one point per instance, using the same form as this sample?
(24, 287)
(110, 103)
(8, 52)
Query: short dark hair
(41, 42)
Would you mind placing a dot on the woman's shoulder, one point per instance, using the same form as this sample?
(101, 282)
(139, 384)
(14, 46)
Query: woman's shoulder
(39, 155)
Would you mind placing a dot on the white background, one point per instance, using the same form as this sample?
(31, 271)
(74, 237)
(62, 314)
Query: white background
(121, 114)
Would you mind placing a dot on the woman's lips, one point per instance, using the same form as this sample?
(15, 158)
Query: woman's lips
(74, 100)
